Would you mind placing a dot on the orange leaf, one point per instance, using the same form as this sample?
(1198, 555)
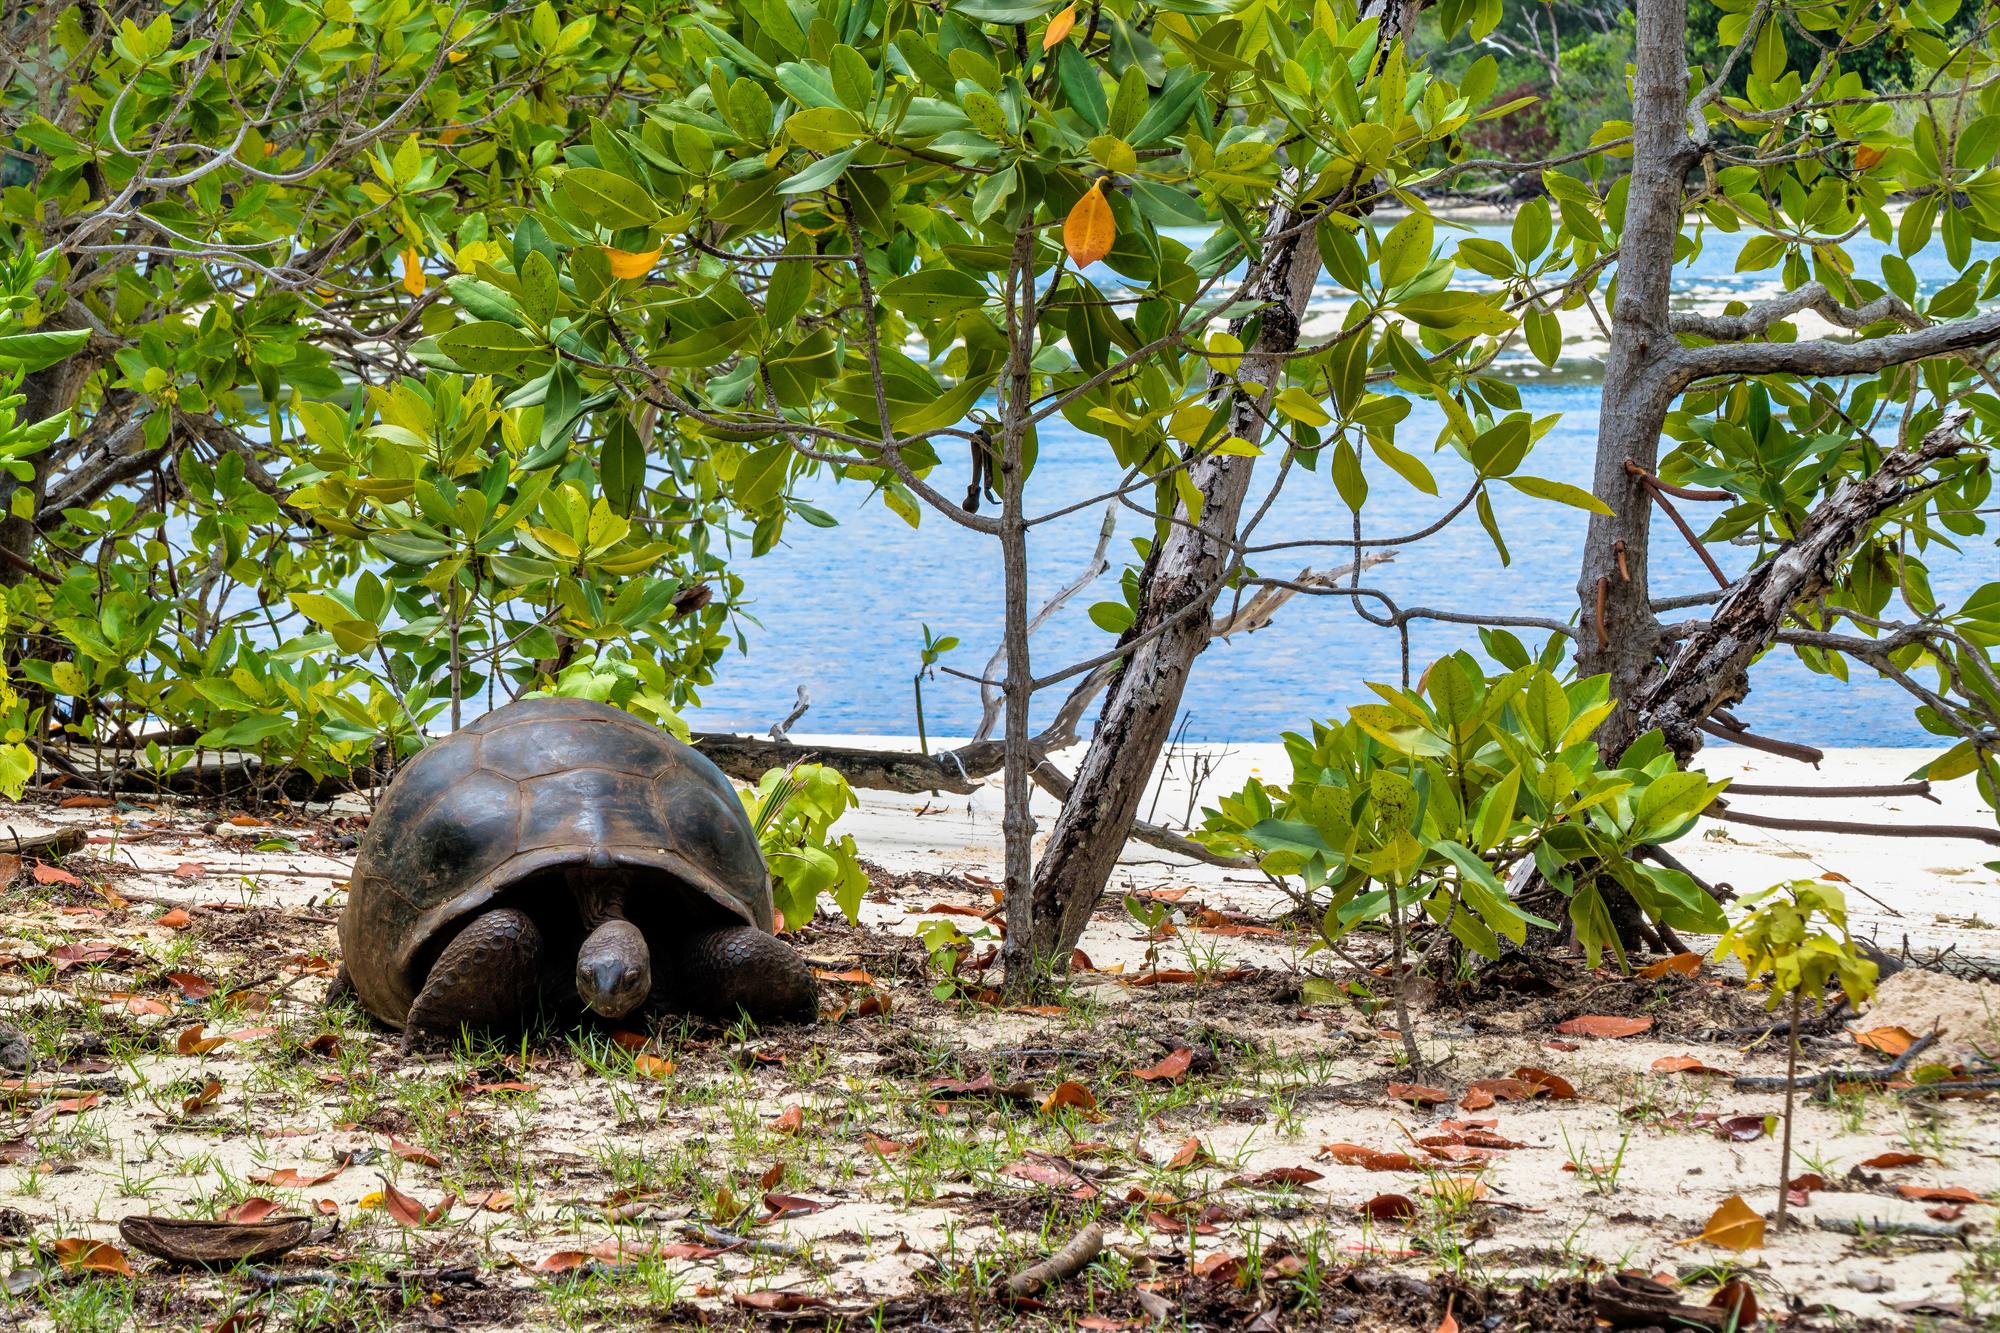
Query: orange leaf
(291, 1178)
(193, 1042)
(250, 1210)
(84, 802)
(1170, 1069)
(1737, 1302)
(409, 1152)
(1928, 1194)
(1890, 1041)
(1371, 1159)
(176, 919)
(190, 870)
(1190, 1153)
(790, 1121)
(1059, 28)
(1686, 964)
(209, 1092)
(48, 874)
(413, 271)
(81, 1254)
(1557, 1087)
(1069, 1093)
(1685, 1064)
(1886, 1161)
(1866, 156)
(631, 263)
(1735, 1226)
(648, 1066)
(1416, 1094)
(1089, 230)
(1604, 1025)
(408, 1211)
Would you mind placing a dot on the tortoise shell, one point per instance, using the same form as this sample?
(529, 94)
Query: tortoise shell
(537, 786)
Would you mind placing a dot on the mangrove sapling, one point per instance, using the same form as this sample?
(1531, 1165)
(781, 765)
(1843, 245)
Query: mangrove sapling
(1796, 933)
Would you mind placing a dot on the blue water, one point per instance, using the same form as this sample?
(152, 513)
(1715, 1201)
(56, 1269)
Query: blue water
(840, 611)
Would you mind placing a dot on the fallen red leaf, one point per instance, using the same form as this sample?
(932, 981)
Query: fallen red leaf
(1170, 1070)
(175, 918)
(1888, 1160)
(1190, 1153)
(1557, 1087)
(1937, 1194)
(409, 1152)
(81, 1254)
(1370, 1159)
(1604, 1025)
(250, 1210)
(1686, 1064)
(1389, 1208)
(48, 874)
(1417, 1094)
(789, 1121)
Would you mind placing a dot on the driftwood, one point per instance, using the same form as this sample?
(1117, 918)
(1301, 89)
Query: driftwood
(1832, 1078)
(1059, 1267)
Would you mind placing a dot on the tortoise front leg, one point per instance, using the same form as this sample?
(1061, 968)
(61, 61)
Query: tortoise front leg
(719, 973)
(489, 976)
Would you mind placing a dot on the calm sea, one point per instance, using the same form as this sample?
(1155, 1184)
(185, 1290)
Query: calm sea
(841, 610)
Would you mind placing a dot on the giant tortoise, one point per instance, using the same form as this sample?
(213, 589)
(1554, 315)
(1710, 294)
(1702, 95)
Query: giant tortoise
(559, 854)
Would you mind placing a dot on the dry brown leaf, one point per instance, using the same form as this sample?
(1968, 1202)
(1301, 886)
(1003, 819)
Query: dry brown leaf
(81, 1254)
(1891, 1041)
(1557, 1087)
(789, 1121)
(1190, 1153)
(1389, 1208)
(1604, 1025)
(1369, 1159)
(1937, 1194)
(1074, 1094)
(1417, 1094)
(1170, 1070)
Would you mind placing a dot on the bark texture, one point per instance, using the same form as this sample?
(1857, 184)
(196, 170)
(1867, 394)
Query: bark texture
(1180, 582)
(1710, 670)
(1620, 633)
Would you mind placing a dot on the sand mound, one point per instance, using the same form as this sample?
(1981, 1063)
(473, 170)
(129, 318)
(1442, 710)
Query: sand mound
(1967, 1013)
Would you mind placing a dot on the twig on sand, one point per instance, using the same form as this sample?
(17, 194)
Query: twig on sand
(729, 1240)
(1885, 1226)
(1831, 1078)
(1059, 1267)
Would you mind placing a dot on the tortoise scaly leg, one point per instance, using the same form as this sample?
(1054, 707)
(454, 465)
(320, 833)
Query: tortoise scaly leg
(489, 976)
(719, 973)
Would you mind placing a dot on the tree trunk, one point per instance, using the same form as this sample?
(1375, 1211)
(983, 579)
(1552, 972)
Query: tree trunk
(1620, 634)
(1179, 585)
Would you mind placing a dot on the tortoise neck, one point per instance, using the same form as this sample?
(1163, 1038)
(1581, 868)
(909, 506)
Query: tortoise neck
(599, 896)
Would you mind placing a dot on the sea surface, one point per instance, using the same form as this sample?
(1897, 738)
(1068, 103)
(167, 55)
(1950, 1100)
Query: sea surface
(841, 611)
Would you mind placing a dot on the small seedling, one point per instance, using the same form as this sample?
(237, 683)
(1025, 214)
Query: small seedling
(1782, 935)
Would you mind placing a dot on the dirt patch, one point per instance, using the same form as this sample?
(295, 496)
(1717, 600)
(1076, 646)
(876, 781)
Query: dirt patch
(1965, 1014)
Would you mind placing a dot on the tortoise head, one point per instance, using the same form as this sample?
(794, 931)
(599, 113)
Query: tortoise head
(614, 969)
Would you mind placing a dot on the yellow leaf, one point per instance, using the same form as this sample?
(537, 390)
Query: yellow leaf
(1735, 1226)
(630, 263)
(1058, 28)
(413, 271)
(372, 1199)
(1089, 230)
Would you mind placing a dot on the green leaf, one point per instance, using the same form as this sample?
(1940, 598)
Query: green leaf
(489, 347)
(29, 352)
(932, 292)
(819, 175)
(1406, 250)
(608, 199)
(1559, 491)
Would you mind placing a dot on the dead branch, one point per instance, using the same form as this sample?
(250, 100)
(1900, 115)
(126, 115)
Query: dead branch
(1059, 1267)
